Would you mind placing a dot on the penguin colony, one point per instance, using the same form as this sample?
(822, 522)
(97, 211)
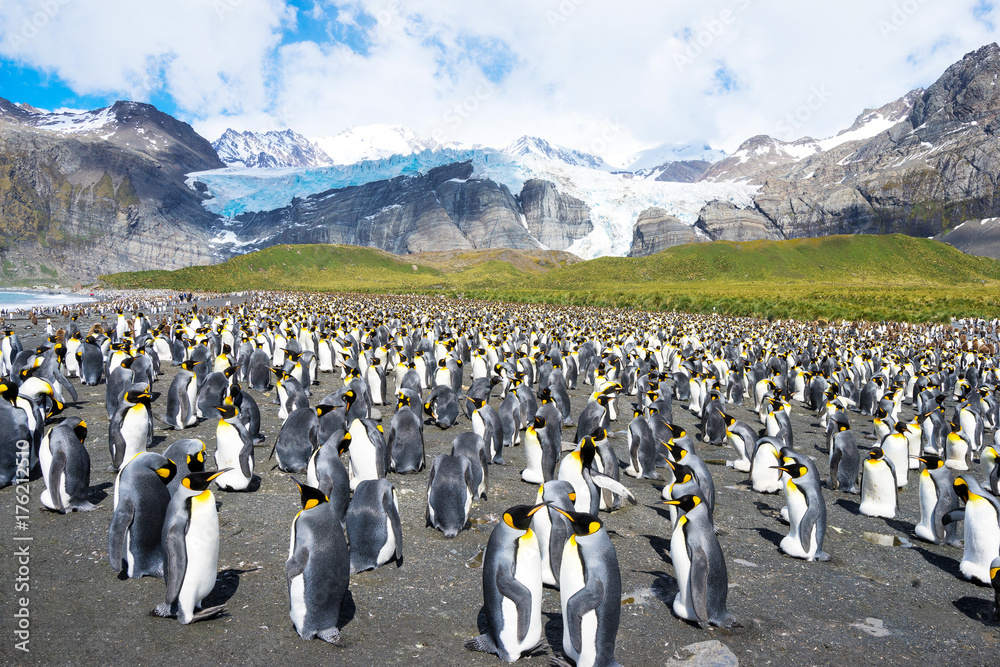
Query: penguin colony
(500, 378)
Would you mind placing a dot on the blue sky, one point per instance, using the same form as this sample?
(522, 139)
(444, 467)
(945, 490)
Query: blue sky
(716, 71)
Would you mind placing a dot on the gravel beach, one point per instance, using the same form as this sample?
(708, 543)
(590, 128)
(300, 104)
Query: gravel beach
(885, 596)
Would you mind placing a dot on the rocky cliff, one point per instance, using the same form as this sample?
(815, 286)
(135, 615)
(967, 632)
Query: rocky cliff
(919, 165)
(89, 193)
(445, 209)
(556, 220)
(656, 230)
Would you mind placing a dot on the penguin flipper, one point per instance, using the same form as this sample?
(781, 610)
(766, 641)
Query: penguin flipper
(397, 527)
(953, 516)
(586, 599)
(698, 574)
(296, 565)
(120, 523)
(211, 612)
(606, 482)
(57, 471)
(518, 593)
(246, 455)
(175, 556)
(61, 379)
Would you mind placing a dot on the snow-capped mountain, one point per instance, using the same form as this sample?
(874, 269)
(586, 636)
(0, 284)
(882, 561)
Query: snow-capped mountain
(269, 150)
(662, 155)
(764, 153)
(539, 148)
(359, 143)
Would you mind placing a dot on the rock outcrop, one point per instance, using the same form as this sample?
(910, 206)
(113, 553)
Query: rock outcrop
(445, 209)
(656, 230)
(933, 168)
(555, 219)
(97, 192)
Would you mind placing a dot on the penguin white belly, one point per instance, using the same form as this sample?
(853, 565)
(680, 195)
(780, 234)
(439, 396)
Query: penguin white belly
(763, 477)
(297, 600)
(956, 452)
(541, 525)
(571, 581)
(877, 495)
(362, 464)
(389, 548)
(928, 501)
(72, 365)
(533, 458)
(791, 544)
(442, 376)
(683, 606)
(897, 451)
(129, 558)
(527, 571)
(325, 357)
(375, 388)
(45, 461)
(742, 464)
(227, 455)
(134, 431)
(202, 546)
(982, 540)
(191, 418)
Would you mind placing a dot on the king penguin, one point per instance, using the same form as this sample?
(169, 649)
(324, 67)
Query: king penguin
(590, 593)
(981, 516)
(699, 566)
(318, 568)
(65, 467)
(512, 587)
(141, 499)
(806, 510)
(191, 550)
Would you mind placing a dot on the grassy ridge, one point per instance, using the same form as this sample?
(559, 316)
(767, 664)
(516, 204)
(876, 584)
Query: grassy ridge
(852, 277)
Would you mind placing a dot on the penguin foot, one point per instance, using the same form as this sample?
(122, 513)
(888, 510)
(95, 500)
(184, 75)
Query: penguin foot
(331, 636)
(822, 556)
(163, 610)
(482, 644)
(206, 614)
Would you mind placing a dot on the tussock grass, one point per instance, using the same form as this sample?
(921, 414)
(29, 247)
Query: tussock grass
(871, 278)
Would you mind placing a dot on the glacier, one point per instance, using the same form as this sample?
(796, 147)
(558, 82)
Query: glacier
(615, 199)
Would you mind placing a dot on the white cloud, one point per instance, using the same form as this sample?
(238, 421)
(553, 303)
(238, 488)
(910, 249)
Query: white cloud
(716, 70)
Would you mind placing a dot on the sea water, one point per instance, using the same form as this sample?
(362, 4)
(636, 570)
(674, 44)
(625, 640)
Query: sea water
(13, 300)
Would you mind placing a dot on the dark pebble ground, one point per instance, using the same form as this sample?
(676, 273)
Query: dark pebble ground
(871, 603)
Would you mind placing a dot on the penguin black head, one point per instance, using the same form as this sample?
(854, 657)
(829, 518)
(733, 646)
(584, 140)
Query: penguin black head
(138, 397)
(402, 401)
(538, 423)
(599, 434)
(167, 471)
(677, 431)
(227, 411)
(683, 473)
(676, 451)
(902, 427)
(196, 461)
(876, 454)
(931, 461)
(323, 409)
(344, 443)
(189, 365)
(349, 397)
(519, 516)
(686, 503)
(583, 523)
(199, 481)
(310, 495)
(81, 430)
(796, 470)
(962, 489)
(587, 451)
(8, 391)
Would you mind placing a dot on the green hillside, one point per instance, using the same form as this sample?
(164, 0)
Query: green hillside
(853, 277)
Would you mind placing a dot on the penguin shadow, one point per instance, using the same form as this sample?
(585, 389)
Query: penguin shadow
(661, 510)
(664, 587)
(226, 584)
(900, 526)
(948, 565)
(660, 545)
(347, 610)
(158, 440)
(553, 630)
(849, 505)
(978, 609)
(767, 511)
(770, 535)
(97, 492)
